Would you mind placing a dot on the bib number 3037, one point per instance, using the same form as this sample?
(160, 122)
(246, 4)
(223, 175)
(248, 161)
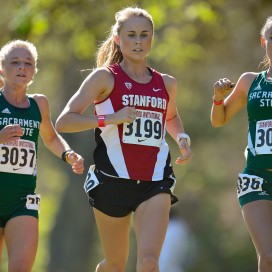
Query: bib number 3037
(18, 157)
(248, 184)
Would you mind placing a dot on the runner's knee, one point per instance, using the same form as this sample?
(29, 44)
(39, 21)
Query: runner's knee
(101, 267)
(148, 264)
(20, 266)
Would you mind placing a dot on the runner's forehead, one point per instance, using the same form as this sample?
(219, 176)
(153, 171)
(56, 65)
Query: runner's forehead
(20, 53)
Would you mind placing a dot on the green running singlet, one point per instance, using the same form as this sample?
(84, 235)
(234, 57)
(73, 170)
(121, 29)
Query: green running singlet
(259, 108)
(18, 168)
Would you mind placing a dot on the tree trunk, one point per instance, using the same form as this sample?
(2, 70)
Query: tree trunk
(74, 235)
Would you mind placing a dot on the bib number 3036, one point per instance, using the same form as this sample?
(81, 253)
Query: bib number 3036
(248, 184)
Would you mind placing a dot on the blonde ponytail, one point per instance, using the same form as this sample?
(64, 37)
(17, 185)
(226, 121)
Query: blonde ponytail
(108, 53)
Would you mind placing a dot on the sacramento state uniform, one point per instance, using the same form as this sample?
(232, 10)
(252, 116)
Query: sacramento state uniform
(18, 168)
(256, 182)
(132, 160)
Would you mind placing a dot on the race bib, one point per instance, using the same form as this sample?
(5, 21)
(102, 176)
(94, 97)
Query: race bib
(91, 180)
(174, 184)
(145, 130)
(18, 157)
(263, 142)
(248, 184)
(33, 202)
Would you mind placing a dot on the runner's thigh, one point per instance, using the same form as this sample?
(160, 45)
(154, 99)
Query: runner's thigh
(114, 235)
(258, 218)
(150, 222)
(21, 235)
(1, 242)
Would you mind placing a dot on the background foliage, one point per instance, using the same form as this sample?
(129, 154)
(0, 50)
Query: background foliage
(198, 42)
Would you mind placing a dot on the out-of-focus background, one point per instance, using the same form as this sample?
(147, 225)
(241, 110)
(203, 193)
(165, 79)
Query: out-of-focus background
(197, 42)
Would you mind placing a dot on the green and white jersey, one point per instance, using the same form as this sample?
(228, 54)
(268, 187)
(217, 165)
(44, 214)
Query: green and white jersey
(259, 108)
(18, 158)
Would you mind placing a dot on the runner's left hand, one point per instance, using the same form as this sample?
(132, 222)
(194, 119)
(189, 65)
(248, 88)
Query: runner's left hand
(186, 152)
(76, 161)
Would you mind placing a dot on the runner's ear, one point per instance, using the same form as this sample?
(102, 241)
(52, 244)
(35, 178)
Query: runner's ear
(262, 42)
(116, 39)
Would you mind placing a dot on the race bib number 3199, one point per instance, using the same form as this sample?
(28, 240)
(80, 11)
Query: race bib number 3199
(145, 130)
(18, 157)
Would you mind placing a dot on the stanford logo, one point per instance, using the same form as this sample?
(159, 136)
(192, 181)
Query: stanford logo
(128, 85)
